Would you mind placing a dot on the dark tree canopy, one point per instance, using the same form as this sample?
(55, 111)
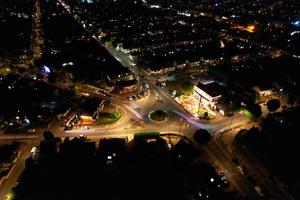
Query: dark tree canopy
(273, 105)
(255, 110)
(291, 99)
(202, 136)
(187, 88)
(48, 135)
(159, 115)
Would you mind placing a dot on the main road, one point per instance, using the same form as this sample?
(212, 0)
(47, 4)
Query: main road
(172, 106)
(168, 103)
(12, 178)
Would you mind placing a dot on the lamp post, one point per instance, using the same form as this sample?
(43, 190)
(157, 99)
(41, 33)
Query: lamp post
(199, 103)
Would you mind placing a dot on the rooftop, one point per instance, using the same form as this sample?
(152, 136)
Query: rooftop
(213, 89)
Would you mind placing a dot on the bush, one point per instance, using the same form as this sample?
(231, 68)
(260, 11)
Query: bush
(187, 88)
(253, 111)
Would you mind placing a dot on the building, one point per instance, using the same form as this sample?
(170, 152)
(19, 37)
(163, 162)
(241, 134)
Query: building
(126, 86)
(208, 94)
(263, 91)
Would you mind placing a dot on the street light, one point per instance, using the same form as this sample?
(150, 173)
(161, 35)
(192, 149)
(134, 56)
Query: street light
(200, 98)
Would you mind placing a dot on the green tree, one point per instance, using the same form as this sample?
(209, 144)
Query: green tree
(187, 88)
(11, 195)
(114, 44)
(253, 110)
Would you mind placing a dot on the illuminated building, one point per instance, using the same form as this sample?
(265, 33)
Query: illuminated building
(208, 94)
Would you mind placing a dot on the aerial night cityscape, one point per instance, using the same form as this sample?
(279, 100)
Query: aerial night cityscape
(149, 99)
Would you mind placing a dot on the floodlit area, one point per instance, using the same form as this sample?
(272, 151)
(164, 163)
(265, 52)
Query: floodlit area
(195, 107)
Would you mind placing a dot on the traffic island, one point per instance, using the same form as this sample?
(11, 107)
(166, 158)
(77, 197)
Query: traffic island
(106, 118)
(158, 116)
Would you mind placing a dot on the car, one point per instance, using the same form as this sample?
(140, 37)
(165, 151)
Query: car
(33, 151)
(3, 126)
(83, 137)
(241, 169)
(85, 127)
(174, 93)
(259, 191)
(85, 94)
(68, 128)
(31, 130)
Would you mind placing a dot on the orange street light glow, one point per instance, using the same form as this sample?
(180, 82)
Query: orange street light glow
(249, 28)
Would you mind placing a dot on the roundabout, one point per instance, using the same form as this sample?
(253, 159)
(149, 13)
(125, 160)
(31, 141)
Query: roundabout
(158, 116)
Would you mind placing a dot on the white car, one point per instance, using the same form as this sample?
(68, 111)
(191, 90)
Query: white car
(85, 127)
(85, 94)
(174, 93)
(33, 151)
(31, 130)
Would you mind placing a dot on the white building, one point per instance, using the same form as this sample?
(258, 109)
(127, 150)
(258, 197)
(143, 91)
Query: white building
(208, 94)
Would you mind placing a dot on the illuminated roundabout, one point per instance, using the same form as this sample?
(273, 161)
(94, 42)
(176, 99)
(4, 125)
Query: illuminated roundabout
(158, 116)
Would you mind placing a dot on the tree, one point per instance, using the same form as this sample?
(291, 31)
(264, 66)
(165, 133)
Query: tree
(159, 115)
(11, 195)
(114, 44)
(291, 100)
(48, 135)
(73, 90)
(254, 110)
(53, 78)
(273, 105)
(202, 136)
(187, 88)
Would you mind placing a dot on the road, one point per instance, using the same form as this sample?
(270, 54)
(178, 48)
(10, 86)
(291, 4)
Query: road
(169, 104)
(261, 174)
(258, 171)
(128, 126)
(214, 150)
(11, 181)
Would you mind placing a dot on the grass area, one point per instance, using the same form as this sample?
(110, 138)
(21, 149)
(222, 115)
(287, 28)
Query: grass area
(108, 118)
(247, 113)
(5, 71)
